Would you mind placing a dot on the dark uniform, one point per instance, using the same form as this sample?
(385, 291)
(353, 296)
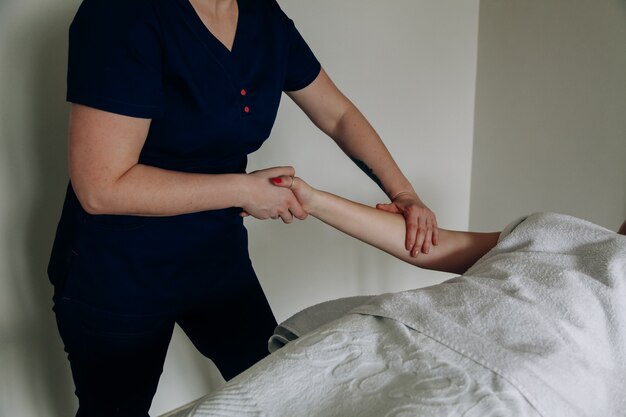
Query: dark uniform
(121, 282)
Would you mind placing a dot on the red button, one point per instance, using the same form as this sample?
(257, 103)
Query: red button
(243, 92)
(246, 109)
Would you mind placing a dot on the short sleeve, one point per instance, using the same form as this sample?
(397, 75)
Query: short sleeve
(114, 61)
(302, 65)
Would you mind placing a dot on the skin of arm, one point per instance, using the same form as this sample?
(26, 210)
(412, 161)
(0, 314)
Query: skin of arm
(104, 151)
(338, 117)
(456, 252)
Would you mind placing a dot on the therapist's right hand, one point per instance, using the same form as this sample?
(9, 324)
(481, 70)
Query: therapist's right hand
(263, 200)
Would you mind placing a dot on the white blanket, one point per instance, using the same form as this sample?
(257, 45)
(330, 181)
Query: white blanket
(536, 327)
(364, 366)
(545, 309)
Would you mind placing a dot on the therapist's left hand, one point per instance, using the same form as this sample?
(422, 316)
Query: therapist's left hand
(422, 231)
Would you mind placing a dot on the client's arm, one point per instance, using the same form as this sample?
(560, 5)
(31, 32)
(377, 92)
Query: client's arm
(456, 252)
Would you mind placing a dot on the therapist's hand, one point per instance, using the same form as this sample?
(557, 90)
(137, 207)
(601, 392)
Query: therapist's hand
(422, 231)
(305, 194)
(262, 200)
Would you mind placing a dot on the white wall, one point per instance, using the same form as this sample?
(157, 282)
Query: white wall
(410, 67)
(550, 131)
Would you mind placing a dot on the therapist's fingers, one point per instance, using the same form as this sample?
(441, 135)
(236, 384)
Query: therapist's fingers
(388, 207)
(419, 220)
(275, 172)
(420, 237)
(435, 232)
(296, 209)
(284, 181)
(412, 229)
(298, 187)
(429, 237)
(299, 213)
(286, 216)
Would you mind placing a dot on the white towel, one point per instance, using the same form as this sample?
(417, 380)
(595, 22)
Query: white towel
(540, 319)
(545, 309)
(363, 366)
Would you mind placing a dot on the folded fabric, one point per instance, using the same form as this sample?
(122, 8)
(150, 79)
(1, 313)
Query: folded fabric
(312, 318)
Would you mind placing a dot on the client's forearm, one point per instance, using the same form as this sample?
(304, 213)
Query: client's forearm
(456, 252)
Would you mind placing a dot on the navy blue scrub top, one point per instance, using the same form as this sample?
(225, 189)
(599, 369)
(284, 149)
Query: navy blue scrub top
(156, 59)
(210, 108)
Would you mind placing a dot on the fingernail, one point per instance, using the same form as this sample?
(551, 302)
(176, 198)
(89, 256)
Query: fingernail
(276, 180)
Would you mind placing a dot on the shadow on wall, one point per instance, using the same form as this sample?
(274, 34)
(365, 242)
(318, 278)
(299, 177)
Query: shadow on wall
(50, 164)
(36, 125)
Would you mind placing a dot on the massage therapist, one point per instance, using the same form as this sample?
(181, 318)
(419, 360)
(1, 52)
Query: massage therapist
(168, 99)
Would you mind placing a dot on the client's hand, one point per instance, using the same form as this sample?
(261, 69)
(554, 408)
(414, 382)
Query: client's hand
(303, 191)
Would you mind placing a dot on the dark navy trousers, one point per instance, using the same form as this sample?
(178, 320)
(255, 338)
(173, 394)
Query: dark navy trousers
(122, 282)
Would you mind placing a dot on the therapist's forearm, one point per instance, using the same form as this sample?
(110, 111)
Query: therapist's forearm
(360, 141)
(104, 150)
(151, 191)
(456, 252)
(335, 115)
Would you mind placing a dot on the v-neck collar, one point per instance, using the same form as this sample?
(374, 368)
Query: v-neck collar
(203, 31)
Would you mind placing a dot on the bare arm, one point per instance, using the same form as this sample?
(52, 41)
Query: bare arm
(456, 252)
(339, 118)
(104, 151)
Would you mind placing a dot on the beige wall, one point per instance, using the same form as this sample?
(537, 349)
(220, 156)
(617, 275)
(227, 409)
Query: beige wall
(35, 379)
(408, 64)
(550, 126)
